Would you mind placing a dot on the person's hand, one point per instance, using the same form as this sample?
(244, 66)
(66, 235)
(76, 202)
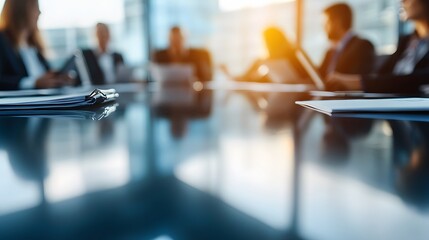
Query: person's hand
(67, 79)
(224, 69)
(54, 80)
(343, 82)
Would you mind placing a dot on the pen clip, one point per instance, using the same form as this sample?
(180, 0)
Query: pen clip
(100, 96)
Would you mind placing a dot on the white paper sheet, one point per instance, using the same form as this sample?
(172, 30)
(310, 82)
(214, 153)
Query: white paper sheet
(331, 107)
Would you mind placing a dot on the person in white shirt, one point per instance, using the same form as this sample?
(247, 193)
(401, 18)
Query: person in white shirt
(103, 63)
(22, 64)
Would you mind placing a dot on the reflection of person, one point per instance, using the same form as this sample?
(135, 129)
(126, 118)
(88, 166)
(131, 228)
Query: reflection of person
(22, 64)
(349, 53)
(407, 69)
(25, 141)
(278, 48)
(103, 64)
(167, 105)
(411, 158)
(339, 132)
(178, 53)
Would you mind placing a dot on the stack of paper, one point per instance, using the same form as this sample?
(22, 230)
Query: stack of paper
(70, 101)
(96, 114)
(393, 105)
(45, 92)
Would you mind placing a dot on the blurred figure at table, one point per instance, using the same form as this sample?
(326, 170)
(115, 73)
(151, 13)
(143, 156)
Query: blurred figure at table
(348, 53)
(25, 140)
(178, 53)
(281, 59)
(407, 70)
(104, 65)
(177, 68)
(22, 62)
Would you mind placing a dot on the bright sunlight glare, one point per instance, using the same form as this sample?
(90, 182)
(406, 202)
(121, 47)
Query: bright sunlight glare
(78, 13)
(232, 5)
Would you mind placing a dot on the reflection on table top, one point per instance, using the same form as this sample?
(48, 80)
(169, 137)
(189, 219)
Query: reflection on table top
(179, 164)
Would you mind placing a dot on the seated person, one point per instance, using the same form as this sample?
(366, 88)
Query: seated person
(407, 69)
(348, 53)
(279, 48)
(22, 64)
(178, 53)
(102, 63)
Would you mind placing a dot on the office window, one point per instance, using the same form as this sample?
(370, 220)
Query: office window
(231, 30)
(69, 24)
(228, 5)
(375, 20)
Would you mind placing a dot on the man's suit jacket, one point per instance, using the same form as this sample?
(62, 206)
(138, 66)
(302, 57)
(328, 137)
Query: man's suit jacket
(357, 57)
(387, 82)
(94, 69)
(12, 67)
(199, 58)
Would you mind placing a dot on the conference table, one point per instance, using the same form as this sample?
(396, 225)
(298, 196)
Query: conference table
(184, 163)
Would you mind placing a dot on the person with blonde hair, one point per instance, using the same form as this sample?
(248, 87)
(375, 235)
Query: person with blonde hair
(279, 48)
(22, 63)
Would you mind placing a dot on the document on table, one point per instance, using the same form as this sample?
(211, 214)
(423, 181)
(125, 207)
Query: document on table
(68, 101)
(44, 92)
(95, 113)
(392, 105)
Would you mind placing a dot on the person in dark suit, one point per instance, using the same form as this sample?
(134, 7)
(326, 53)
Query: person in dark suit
(22, 64)
(103, 64)
(349, 53)
(178, 53)
(407, 69)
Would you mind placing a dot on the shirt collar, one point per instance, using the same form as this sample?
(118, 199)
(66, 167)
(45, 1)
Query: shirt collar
(99, 53)
(345, 40)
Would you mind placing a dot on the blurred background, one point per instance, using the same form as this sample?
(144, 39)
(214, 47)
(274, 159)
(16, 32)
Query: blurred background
(230, 29)
(172, 161)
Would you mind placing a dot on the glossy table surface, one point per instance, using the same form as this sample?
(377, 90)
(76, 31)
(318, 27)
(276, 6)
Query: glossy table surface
(172, 163)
